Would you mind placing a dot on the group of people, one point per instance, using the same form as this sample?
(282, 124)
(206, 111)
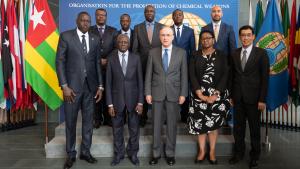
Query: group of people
(158, 65)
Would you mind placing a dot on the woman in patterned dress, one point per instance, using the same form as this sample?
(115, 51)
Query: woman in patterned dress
(209, 103)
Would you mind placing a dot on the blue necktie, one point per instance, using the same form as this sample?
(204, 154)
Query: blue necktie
(178, 35)
(165, 60)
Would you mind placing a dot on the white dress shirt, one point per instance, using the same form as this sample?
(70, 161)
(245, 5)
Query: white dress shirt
(79, 33)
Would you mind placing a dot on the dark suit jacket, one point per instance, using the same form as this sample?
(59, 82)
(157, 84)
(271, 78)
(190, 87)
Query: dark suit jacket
(197, 67)
(187, 40)
(108, 42)
(251, 85)
(131, 38)
(124, 90)
(73, 66)
(171, 84)
(141, 43)
(226, 39)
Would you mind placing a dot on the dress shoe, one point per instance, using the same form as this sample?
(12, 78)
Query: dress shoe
(235, 159)
(116, 161)
(69, 163)
(134, 160)
(253, 163)
(88, 158)
(213, 162)
(170, 161)
(197, 161)
(154, 160)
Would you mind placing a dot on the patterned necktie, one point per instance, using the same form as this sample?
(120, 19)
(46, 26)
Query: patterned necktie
(100, 29)
(178, 35)
(83, 42)
(124, 64)
(165, 60)
(149, 32)
(216, 31)
(244, 59)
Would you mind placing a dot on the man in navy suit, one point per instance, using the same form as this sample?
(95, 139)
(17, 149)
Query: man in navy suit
(124, 95)
(125, 21)
(185, 39)
(107, 35)
(79, 76)
(224, 34)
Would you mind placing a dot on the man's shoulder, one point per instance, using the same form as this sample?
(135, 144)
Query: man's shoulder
(139, 25)
(110, 28)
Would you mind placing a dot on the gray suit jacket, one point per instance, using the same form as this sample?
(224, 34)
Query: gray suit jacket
(73, 66)
(123, 90)
(141, 43)
(170, 84)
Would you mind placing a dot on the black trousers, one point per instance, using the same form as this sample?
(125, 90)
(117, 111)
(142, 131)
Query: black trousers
(84, 100)
(118, 133)
(250, 112)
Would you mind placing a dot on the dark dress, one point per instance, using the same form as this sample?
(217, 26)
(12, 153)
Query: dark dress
(205, 117)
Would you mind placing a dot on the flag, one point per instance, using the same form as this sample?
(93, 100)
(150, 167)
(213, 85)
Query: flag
(1, 71)
(297, 39)
(22, 41)
(259, 17)
(250, 14)
(40, 48)
(271, 38)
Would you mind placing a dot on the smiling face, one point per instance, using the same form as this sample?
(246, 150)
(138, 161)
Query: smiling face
(216, 13)
(149, 13)
(83, 22)
(207, 40)
(123, 43)
(247, 37)
(178, 17)
(166, 36)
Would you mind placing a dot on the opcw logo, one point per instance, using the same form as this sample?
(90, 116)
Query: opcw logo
(276, 47)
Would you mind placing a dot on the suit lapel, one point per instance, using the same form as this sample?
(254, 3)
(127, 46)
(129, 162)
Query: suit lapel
(129, 63)
(117, 62)
(173, 58)
(238, 60)
(78, 43)
(222, 29)
(91, 41)
(155, 32)
(251, 59)
(144, 32)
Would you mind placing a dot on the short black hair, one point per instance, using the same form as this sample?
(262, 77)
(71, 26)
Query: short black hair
(207, 31)
(173, 13)
(101, 9)
(245, 27)
(82, 13)
(125, 14)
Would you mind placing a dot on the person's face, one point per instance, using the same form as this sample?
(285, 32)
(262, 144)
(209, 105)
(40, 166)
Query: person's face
(149, 13)
(216, 13)
(83, 22)
(166, 36)
(207, 40)
(123, 44)
(125, 22)
(100, 17)
(246, 37)
(178, 17)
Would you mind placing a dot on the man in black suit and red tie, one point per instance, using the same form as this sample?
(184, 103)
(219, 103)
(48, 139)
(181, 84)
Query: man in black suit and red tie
(124, 96)
(250, 73)
(107, 35)
(79, 76)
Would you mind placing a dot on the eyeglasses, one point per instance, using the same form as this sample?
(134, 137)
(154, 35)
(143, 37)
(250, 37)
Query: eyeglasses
(248, 35)
(207, 38)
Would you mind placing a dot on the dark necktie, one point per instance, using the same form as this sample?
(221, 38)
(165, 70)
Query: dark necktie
(84, 44)
(244, 59)
(124, 64)
(100, 29)
(178, 35)
(165, 60)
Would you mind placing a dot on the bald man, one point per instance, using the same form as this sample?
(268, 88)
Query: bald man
(166, 86)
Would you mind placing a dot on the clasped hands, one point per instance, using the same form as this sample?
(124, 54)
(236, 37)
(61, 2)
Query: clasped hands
(209, 99)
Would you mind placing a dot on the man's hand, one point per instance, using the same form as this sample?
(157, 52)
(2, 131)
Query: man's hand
(261, 106)
(181, 99)
(139, 109)
(149, 99)
(69, 94)
(111, 111)
(103, 62)
(98, 95)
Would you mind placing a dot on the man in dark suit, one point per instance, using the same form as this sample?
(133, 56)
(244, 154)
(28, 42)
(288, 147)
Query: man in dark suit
(166, 86)
(79, 76)
(185, 39)
(250, 67)
(146, 37)
(224, 34)
(125, 21)
(107, 35)
(124, 95)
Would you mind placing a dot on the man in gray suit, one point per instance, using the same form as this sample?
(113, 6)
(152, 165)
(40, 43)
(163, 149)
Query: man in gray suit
(79, 75)
(146, 37)
(166, 86)
(124, 95)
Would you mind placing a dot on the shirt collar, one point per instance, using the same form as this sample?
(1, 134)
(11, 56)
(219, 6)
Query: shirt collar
(180, 27)
(217, 23)
(98, 26)
(123, 32)
(169, 48)
(151, 23)
(120, 53)
(248, 49)
(79, 33)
